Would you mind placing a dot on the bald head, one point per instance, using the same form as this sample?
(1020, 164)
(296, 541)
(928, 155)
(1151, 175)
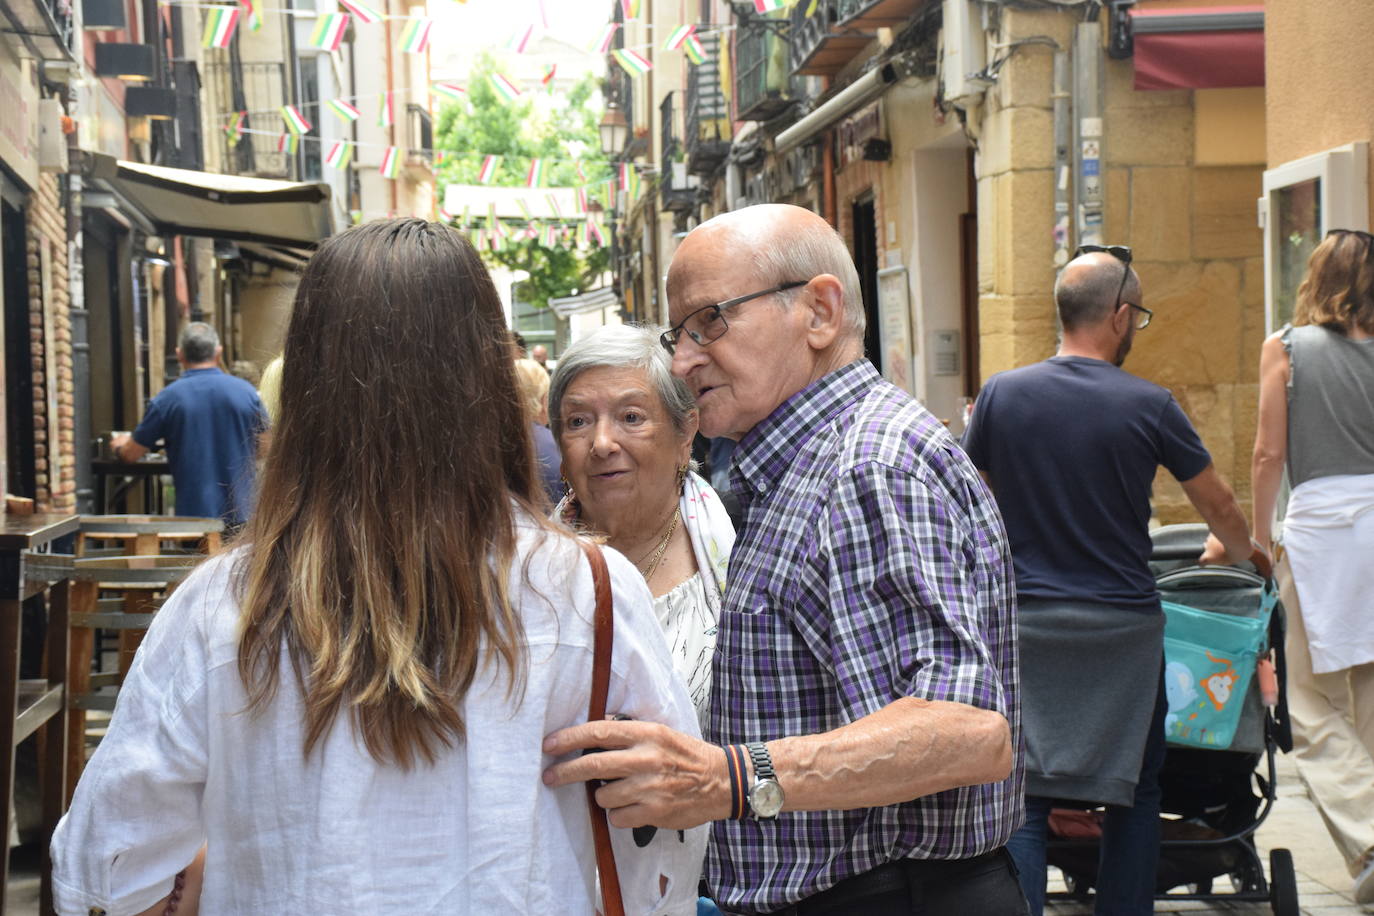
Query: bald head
(783, 244)
(1085, 292)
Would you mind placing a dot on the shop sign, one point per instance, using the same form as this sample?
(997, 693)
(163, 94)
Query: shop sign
(856, 130)
(19, 126)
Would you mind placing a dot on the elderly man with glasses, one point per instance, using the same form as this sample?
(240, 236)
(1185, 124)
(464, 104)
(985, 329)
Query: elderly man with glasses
(864, 717)
(1070, 447)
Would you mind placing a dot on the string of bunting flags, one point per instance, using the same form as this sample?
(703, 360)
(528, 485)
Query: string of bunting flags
(340, 155)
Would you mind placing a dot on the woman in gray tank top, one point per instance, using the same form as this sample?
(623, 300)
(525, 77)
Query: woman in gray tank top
(1316, 420)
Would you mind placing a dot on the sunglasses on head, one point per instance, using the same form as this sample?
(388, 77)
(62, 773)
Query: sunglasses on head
(1123, 254)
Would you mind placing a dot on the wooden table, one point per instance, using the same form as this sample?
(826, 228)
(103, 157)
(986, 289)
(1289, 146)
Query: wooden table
(23, 575)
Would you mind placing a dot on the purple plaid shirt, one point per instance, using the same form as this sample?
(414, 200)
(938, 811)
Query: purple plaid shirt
(871, 565)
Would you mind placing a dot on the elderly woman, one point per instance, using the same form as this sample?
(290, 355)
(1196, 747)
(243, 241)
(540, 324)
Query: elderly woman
(624, 425)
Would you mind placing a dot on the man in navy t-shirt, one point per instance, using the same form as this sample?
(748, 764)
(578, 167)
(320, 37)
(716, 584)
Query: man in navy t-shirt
(1070, 447)
(210, 422)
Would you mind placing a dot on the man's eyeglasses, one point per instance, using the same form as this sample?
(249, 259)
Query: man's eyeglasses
(1123, 254)
(707, 324)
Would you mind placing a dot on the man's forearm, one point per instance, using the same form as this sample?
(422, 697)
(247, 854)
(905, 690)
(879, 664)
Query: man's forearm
(908, 749)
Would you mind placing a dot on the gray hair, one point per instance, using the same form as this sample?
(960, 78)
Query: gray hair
(621, 346)
(785, 254)
(198, 342)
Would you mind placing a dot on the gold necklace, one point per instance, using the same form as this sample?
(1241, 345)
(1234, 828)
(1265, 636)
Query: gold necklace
(662, 547)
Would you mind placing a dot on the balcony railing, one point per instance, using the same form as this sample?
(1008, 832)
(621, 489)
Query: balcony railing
(708, 112)
(763, 82)
(45, 26)
(677, 190)
(261, 90)
(420, 132)
(825, 41)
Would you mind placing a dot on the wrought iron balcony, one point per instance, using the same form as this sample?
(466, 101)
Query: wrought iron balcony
(260, 89)
(763, 83)
(45, 27)
(708, 112)
(677, 190)
(825, 41)
(420, 134)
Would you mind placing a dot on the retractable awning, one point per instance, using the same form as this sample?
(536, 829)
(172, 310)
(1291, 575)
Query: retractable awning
(591, 301)
(233, 207)
(1198, 47)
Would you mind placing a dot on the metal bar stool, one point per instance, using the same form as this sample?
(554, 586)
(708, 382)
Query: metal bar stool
(33, 707)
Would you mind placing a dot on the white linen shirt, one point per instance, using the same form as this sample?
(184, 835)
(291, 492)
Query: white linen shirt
(338, 833)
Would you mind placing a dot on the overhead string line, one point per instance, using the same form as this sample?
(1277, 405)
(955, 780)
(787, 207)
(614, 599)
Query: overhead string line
(448, 154)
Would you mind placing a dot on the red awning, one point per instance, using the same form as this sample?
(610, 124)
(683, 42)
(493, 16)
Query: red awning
(1198, 48)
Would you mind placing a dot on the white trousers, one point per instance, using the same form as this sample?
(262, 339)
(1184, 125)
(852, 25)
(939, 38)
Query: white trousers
(1333, 735)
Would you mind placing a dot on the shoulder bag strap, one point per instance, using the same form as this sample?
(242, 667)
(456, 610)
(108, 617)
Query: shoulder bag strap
(604, 622)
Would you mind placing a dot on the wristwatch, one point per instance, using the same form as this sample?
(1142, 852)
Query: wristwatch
(765, 795)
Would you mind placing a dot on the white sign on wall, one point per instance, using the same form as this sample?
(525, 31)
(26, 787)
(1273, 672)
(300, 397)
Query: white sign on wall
(894, 310)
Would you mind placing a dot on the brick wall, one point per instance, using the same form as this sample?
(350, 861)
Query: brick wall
(50, 338)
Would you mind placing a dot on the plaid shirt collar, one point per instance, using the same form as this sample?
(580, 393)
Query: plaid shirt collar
(767, 450)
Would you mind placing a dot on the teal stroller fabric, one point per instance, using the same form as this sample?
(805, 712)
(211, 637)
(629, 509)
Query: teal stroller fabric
(1209, 662)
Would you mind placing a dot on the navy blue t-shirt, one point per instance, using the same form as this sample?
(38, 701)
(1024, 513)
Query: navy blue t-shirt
(210, 421)
(1070, 447)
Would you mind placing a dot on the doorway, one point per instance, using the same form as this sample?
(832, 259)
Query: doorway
(866, 260)
(19, 442)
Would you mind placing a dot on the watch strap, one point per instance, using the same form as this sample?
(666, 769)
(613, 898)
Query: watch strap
(762, 760)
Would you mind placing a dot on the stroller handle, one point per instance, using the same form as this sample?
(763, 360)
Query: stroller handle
(1258, 558)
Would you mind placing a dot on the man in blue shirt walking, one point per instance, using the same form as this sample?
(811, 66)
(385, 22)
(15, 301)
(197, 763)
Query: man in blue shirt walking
(210, 422)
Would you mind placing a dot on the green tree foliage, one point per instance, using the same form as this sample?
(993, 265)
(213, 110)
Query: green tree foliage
(486, 124)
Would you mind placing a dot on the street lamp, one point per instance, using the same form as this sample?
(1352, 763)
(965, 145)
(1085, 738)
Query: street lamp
(614, 131)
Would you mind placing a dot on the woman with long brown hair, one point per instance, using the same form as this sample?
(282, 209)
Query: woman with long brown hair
(1316, 422)
(348, 710)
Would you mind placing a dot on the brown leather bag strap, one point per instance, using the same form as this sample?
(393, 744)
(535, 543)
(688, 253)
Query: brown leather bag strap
(604, 623)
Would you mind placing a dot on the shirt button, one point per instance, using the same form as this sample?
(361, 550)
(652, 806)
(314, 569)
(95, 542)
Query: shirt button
(95, 911)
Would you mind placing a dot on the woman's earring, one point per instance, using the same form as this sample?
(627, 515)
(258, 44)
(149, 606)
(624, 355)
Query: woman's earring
(568, 489)
(681, 478)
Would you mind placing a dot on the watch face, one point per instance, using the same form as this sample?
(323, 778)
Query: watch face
(766, 798)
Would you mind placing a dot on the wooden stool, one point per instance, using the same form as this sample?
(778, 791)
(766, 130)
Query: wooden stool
(148, 535)
(139, 585)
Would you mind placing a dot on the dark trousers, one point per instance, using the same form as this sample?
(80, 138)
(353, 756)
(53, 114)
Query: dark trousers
(1128, 855)
(985, 885)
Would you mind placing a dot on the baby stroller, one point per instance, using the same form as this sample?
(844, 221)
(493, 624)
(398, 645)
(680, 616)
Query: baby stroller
(1214, 798)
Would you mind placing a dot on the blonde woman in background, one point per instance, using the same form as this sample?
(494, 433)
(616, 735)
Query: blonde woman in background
(534, 395)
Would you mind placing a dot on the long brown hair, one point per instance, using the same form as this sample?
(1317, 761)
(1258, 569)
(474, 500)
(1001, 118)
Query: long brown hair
(385, 530)
(1338, 291)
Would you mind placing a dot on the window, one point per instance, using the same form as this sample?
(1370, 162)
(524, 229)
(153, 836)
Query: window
(1302, 200)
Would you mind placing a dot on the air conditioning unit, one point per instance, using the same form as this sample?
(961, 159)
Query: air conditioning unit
(964, 51)
(52, 142)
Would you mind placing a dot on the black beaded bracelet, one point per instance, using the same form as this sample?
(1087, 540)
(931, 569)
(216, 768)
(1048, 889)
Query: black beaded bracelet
(734, 762)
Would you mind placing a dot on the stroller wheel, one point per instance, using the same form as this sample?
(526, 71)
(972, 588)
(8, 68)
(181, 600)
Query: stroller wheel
(1283, 883)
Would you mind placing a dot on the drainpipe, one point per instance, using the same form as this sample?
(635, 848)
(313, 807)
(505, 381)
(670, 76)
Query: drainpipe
(294, 71)
(1063, 160)
(81, 353)
(390, 97)
(1087, 98)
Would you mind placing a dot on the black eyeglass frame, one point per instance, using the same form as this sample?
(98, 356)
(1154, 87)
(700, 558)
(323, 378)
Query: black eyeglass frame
(1123, 254)
(668, 339)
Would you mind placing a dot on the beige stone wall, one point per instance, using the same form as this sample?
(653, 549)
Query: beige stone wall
(50, 349)
(1319, 78)
(1192, 227)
